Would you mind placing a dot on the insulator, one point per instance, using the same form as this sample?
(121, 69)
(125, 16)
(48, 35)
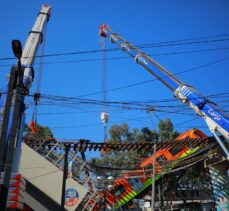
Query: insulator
(104, 117)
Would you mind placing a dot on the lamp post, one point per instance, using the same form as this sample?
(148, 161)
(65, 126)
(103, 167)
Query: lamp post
(17, 50)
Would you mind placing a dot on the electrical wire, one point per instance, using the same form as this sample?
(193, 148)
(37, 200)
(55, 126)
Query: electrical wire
(126, 57)
(155, 79)
(125, 105)
(150, 104)
(99, 124)
(160, 44)
(134, 119)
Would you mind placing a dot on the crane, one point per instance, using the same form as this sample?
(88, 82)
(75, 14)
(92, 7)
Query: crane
(13, 115)
(217, 121)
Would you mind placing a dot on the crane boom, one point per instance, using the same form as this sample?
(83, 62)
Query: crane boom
(216, 120)
(35, 36)
(34, 39)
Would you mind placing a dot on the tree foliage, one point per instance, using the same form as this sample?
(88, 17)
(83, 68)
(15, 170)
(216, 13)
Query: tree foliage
(123, 134)
(166, 130)
(42, 132)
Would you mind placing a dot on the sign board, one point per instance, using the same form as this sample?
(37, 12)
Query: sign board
(71, 197)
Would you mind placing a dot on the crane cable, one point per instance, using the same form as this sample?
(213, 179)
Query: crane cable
(104, 114)
(33, 121)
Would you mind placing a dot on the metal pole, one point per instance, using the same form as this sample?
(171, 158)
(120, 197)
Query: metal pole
(15, 128)
(10, 150)
(153, 178)
(6, 115)
(65, 173)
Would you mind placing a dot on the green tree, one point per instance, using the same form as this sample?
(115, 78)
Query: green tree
(42, 132)
(147, 135)
(123, 134)
(166, 130)
(120, 133)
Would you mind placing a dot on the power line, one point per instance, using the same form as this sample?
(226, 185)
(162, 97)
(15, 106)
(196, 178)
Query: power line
(149, 81)
(126, 108)
(160, 44)
(133, 119)
(189, 39)
(184, 43)
(123, 105)
(126, 57)
(97, 102)
(120, 104)
(115, 122)
(187, 121)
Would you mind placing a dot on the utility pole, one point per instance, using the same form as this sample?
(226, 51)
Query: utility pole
(15, 74)
(20, 81)
(5, 118)
(153, 177)
(14, 98)
(65, 174)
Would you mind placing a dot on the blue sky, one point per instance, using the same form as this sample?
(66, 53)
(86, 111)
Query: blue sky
(74, 27)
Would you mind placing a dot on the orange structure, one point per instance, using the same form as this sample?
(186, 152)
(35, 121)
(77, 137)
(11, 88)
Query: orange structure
(134, 182)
